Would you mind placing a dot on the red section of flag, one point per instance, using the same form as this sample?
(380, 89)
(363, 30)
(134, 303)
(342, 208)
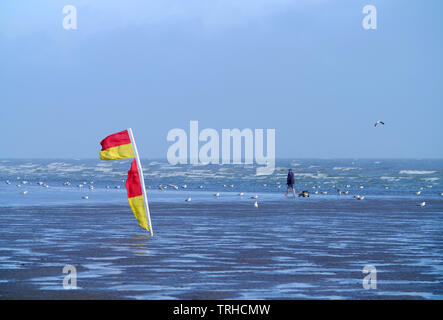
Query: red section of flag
(133, 185)
(115, 140)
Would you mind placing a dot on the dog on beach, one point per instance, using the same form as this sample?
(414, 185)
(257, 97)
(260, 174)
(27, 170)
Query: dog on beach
(304, 194)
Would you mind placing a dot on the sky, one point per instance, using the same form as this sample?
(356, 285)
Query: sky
(307, 69)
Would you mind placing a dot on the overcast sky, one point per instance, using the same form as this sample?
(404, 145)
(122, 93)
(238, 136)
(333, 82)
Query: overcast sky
(307, 69)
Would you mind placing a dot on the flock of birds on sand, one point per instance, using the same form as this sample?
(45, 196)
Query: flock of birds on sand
(161, 187)
(217, 195)
(303, 193)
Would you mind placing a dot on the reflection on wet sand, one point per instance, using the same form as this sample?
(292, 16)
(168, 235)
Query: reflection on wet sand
(226, 251)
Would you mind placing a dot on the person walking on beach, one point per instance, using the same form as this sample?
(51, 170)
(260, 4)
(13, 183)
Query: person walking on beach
(290, 182)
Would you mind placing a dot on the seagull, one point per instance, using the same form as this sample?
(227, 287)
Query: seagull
(358, 197)
(188, 200)
(8, 182)
(441, 194)
(91, 187)
(254, 197)
(241, 194)
(339, 192)
(379, 122)
(217, 194)
(85, 197)
(422, 204)
(184, 186)
(24, 192)
(117, 187)
(201, 187)
(418, 193)
(256, 204)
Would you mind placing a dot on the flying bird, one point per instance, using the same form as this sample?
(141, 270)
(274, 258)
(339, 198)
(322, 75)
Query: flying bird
(379, 122)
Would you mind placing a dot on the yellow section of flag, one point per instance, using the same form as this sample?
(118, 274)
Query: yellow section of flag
(120, 152)
(137, 205)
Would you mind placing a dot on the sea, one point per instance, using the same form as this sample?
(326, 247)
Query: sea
(381, 215)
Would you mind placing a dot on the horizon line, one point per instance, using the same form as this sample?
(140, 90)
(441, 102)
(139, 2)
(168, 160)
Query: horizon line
(282, 158)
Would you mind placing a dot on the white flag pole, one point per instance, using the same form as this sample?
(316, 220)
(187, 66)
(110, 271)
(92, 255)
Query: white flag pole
(142, 179)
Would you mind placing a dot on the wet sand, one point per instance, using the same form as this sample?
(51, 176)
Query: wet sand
(302, 249)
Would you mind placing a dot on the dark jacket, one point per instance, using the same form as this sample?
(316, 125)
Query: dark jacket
(291, 178)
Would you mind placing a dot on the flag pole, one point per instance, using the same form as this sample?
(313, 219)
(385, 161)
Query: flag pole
(142, 179)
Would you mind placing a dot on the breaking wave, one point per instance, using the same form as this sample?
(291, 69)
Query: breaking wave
(417, 172)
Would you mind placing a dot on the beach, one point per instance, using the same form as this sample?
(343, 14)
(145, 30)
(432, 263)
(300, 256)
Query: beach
(290, 249)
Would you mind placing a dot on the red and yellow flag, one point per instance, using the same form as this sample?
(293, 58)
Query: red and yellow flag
(122, 145)
(135, 195)
(117, 146)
